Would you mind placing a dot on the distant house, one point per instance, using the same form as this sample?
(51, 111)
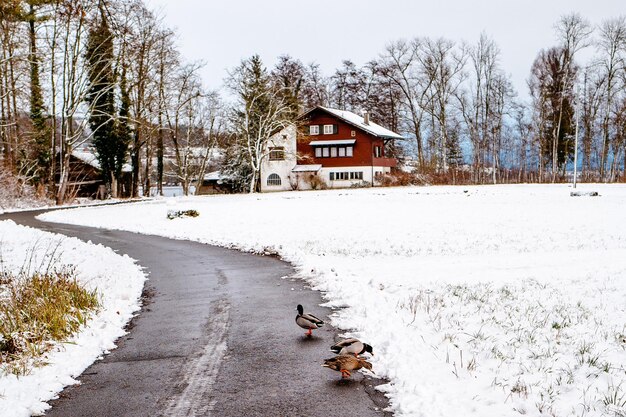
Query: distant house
(332, 148)
(85, 177)
(215, 183)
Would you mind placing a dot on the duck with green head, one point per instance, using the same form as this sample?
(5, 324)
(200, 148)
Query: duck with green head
(307, 321)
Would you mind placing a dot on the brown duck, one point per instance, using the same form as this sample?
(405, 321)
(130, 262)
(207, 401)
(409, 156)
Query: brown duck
(346, 363)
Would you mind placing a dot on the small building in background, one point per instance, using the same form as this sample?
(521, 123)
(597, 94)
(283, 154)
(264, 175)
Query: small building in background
(215, 183)
(85, 177)
(330, 149)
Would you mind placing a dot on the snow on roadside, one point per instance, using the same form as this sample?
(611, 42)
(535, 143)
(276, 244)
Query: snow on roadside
(119, 282)
(479, 301)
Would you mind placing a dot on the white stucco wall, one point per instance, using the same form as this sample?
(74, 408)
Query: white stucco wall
(287, 139)
(369, 173)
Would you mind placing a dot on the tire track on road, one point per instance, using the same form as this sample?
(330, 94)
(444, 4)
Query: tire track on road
(202, 370)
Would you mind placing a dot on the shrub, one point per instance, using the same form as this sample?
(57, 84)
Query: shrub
(16, 193)
(361, 184)
(173, 214)
(316, 182)
(402, 178)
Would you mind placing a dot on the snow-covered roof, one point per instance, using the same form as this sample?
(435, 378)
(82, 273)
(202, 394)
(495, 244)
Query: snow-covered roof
(215, 176)
(358, 121)
(90, 158)
(333, 142)
(87, 157)
(307, 168)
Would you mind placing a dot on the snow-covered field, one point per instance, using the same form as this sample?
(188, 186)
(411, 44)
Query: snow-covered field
(119, 282)
(479, 301)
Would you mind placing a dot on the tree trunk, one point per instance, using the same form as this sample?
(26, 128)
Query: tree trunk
(114, 186)
(135, 163)
(63, 179)
(148, 168)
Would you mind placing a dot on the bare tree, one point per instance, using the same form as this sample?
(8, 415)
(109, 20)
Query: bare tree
(13, 60)
(482, 104)
(591, 102)
(185, 119)
(211, 126)
(612, 45)
(70, 83)
(442, 63)
(400, 64)
(261, 111)
(573, 33)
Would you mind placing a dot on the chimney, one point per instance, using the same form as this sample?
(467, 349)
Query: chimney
(366, 118)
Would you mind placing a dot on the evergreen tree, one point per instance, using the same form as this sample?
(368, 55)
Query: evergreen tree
(41, 149)
(123, 133)
(553, 97)
(108, 140)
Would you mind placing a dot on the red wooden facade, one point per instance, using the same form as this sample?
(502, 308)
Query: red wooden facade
(368, 149)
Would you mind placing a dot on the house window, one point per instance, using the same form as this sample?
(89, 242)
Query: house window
(273, 179)
(378, 152)
(277, 154)
(332, 151)
(356, 175)
(329, 129)
(345, 176)
(314, 130)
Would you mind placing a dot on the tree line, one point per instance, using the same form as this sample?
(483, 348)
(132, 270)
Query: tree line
(108, 74)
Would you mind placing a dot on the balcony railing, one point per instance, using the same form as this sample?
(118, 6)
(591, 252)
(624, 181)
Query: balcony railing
(384, 162)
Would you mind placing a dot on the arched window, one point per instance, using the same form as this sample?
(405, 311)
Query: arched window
(273, 179)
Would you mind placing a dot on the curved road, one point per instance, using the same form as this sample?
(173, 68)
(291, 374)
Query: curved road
(216, 337)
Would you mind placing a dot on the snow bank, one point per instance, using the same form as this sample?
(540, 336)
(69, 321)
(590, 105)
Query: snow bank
(479, 301)
(119, 282)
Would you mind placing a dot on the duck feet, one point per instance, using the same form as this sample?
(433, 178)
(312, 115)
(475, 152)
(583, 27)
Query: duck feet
(309, 333)
(345, 374)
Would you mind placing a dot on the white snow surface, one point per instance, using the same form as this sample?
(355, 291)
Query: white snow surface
(118, 281)
(479, 301)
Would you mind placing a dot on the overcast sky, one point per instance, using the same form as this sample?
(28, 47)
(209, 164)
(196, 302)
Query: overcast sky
(222, 33)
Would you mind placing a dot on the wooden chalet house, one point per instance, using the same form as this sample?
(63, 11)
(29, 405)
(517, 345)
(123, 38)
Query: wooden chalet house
(335, 147)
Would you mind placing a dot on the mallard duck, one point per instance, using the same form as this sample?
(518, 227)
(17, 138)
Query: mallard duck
(307, 321)
(346, 363)
(351, 346)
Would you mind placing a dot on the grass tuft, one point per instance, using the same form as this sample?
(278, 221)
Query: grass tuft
(38, 310)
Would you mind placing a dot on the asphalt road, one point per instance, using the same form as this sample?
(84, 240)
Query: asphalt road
(216, 337)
